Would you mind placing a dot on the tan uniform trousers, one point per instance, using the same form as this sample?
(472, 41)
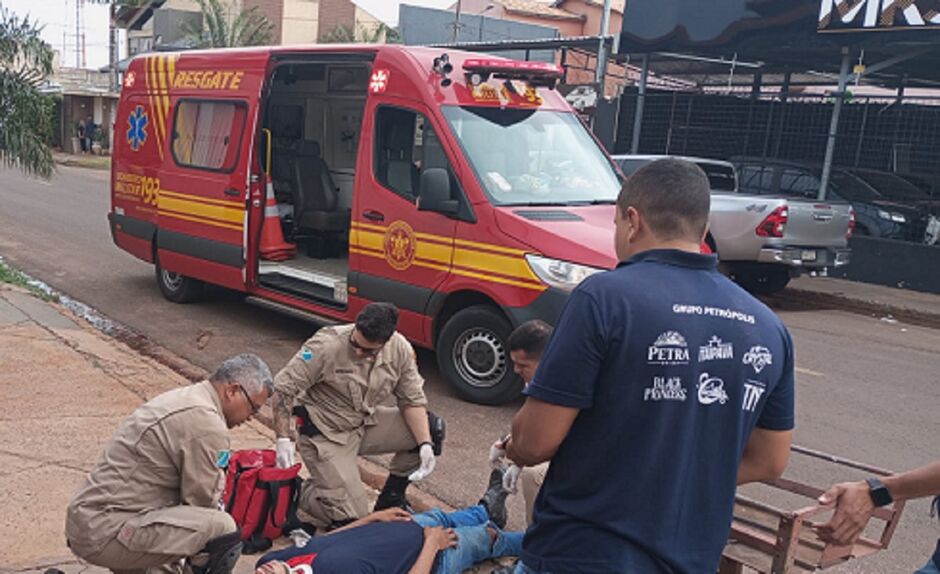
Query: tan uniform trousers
(157, 541)
(334, 492)
(532, 478)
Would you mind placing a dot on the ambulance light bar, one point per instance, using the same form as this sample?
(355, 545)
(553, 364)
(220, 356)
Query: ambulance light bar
(536, 73)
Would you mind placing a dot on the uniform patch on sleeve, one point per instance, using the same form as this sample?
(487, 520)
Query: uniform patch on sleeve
(222, 458)
(306, 354)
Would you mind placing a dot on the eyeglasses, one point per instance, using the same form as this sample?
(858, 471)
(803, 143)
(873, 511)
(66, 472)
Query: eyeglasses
(254, 407)
(367, 351)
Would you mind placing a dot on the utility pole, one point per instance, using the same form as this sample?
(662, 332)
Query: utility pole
(600, 74)
(457, 23)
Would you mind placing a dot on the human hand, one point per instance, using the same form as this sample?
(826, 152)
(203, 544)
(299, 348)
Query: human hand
(427, 463)
(853, 505)
(498, 452)
(284, 447)
(440, 538)
(511, 479)
(394, 514)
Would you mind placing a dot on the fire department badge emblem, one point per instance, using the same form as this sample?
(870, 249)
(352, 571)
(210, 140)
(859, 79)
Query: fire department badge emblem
(399, 245)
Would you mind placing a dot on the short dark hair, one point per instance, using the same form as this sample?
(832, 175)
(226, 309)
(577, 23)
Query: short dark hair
(531, 337)
(377, 322)
(672, 195)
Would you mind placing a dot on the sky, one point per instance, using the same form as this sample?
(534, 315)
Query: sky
(58, 20)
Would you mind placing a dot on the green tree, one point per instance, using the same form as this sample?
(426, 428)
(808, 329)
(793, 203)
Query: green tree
(25, 112)
(224, 27)
(347, 34)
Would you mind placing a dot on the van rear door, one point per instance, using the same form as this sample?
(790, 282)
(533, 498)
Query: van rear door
(204, 189)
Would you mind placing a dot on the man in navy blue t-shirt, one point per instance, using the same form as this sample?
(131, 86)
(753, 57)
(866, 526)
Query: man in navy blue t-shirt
(663, 386)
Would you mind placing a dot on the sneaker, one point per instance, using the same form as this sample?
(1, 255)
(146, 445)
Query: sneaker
(494, 499)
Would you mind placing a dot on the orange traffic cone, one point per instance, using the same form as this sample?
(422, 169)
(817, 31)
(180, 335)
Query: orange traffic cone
(273, 246)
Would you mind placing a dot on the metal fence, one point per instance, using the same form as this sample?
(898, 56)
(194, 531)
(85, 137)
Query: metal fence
(886, 145)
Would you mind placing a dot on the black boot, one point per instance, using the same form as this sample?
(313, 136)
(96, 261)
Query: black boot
(393, 493)
(494, 499)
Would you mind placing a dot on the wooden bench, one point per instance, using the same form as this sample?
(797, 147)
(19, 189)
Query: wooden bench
(772, 540)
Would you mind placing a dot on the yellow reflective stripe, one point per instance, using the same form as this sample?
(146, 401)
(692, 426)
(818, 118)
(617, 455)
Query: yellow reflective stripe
(158, 105)
(371, 226)
(490, 247)
(198, 220)
(434, 252)
(462, 272)
(368, 239)
(228, 214)
(188, 197)
(489, 262)
(154, 116)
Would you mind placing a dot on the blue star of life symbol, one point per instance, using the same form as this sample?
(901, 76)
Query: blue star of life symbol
(137, 132)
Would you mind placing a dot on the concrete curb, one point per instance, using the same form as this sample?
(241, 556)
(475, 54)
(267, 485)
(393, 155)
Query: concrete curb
(806, 297)
(100, 163)
(373, 475)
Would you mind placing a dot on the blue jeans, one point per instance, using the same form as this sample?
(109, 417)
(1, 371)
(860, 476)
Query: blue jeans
(929, 568)
(473, 541)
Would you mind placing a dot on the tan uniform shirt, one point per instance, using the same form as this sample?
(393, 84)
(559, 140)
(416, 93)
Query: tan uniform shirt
(340, 390)
(169, 452)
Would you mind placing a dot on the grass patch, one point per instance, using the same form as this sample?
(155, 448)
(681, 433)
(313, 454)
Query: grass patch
(16, 277)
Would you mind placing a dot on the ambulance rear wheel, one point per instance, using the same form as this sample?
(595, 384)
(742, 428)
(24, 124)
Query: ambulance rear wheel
(473, 353)
(178, 288)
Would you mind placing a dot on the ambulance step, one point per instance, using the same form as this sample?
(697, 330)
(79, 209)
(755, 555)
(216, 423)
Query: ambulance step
(291, 311)
(301, 288)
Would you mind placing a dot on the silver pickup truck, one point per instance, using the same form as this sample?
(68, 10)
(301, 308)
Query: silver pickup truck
(765, 240)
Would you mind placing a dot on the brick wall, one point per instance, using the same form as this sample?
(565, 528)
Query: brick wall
(335, 13)
(274, 11)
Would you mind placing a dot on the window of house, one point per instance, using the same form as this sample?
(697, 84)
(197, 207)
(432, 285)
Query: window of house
(207, 134)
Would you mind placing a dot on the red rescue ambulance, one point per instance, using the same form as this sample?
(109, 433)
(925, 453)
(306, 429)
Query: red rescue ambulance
(318, 179)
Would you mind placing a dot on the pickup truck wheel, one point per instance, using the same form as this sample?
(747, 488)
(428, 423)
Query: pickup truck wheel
(762, 279)
(473, 353)
(177, 288)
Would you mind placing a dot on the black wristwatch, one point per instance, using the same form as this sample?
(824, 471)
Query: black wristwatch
(879, 493)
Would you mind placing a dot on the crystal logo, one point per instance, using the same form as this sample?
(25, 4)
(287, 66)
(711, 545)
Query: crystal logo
(758, 357)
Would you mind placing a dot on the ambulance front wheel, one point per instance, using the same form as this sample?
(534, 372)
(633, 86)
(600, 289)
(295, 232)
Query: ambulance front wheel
(473, 353)
(177, 288)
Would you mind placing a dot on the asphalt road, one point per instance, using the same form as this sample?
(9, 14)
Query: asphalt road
(868, 390)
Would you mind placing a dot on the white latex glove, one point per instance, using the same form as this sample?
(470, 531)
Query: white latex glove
(497, 453)
(284, 447)
(511, 479)
(427, 464)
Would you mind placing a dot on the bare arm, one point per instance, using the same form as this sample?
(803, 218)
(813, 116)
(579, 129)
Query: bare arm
(538, 429)
(765, 456)
(416, 418)
(387, 515)
(854, 505)
(281, 407)
(435, 540)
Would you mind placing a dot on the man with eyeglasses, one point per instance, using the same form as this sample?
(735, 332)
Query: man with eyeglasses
(334, 387)
(153, 499)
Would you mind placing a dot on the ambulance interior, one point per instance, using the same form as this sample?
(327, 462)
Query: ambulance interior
(314, 114)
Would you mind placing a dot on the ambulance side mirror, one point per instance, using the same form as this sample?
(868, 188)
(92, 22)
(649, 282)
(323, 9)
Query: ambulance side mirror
(434, 192)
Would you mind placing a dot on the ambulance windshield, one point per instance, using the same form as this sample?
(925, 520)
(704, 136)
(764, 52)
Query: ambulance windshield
(533, 157)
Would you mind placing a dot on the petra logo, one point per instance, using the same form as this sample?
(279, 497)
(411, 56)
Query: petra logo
(665, 389)
(753, 390)
(711, 390)
(669, 348)
(758, 357)
(849, 15)
(715, 350)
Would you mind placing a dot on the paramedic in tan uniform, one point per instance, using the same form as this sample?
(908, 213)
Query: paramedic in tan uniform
(334, 386)
(154, 495)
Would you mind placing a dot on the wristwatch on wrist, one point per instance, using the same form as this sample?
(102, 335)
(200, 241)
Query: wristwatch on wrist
(879, 493)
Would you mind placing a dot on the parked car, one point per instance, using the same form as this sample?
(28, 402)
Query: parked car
(874, 215)
(900, 191)
(764, 241)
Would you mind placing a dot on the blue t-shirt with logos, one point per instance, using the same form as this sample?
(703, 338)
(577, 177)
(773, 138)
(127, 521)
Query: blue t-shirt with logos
(671, 365)
(376, 548)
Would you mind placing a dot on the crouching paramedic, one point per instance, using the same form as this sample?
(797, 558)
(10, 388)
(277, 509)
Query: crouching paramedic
(333, 386)
(153, 498)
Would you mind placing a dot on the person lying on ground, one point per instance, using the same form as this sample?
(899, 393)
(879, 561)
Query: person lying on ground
(392, 541)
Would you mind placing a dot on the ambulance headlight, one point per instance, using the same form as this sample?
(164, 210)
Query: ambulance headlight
(557, 273)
